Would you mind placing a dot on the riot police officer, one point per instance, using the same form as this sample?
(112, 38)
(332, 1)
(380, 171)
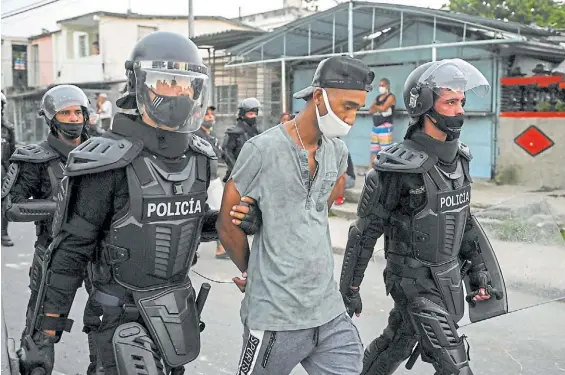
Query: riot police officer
(36, 172)
(8, 148)
(417, 196)
(133, 202)
(244, 129)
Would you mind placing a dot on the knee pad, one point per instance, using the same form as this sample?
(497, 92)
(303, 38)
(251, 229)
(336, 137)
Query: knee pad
(439, 338)
(135, 351)
(387, 352)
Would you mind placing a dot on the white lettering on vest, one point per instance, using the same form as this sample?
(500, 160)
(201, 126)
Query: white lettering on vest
(455, 200)
(172, 209)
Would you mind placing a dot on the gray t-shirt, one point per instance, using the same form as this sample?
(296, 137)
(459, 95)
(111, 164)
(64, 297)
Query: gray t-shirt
(290, 282)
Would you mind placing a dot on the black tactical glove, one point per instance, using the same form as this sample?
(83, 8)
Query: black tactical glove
(352, 301)
(37, 354)
(252, 221)
(479, 279)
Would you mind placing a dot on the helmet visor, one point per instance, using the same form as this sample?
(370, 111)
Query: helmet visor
(173, 95)
(455, 75)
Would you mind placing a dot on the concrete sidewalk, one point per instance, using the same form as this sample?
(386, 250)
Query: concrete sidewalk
(484, 195)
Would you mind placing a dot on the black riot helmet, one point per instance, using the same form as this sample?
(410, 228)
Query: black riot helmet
(169, 82)
(65, 98)
(248, 105)
(428, 82)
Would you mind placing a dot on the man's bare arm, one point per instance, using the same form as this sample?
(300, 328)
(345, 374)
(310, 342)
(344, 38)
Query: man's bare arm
(231, 236)
(385, 106)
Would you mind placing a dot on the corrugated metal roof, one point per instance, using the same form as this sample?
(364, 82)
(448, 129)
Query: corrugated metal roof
(226, 39)
(293, 39)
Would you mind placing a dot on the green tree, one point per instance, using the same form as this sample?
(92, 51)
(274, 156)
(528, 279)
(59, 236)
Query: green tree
(545, 13)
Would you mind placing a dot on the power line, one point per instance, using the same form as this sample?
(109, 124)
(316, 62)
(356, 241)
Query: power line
(28, 8)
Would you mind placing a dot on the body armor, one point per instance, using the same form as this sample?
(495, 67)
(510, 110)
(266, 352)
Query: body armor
(434, 232)
(431, 236)
(149, 249)
(234, 139)
(41, 208)
(154, 243)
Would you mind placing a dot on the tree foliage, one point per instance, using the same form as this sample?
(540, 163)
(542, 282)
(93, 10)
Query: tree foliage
(545, 13)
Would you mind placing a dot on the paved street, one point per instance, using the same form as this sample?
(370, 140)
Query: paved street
(529, 342)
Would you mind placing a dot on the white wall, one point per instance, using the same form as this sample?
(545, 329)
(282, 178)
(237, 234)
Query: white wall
(117, 36)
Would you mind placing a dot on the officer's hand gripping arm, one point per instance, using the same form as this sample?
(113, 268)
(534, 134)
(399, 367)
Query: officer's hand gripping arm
(363, 236)
(479, 276)
(247, 215)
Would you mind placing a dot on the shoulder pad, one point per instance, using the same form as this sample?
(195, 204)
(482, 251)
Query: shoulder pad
(372, 189)
(402, 158)
(235, 130)
(34, 153)
(465, 151)
(201, 146)
(99, 154)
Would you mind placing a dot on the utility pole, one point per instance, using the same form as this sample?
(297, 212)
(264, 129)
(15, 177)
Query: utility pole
(190, 20)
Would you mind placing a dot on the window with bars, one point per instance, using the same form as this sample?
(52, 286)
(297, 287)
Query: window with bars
(226, 99)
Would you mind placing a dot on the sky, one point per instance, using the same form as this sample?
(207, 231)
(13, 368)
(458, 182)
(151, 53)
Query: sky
(31, 23)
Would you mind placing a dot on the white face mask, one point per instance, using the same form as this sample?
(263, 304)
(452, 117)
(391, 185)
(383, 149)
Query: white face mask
(383, 90)
(330, 125)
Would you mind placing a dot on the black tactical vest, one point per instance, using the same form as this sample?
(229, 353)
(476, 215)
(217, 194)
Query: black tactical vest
(50, 180)
(433, 233)
(154, 243)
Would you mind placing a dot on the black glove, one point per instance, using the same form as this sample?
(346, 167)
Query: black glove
(37, 354)
(479, 278)
(352, 301)
(252, 221)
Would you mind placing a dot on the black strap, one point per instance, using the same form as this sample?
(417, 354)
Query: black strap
(130, 313)
(407, 267)
(438, 180)
(65, 282)
(52, 323)
(142, 171)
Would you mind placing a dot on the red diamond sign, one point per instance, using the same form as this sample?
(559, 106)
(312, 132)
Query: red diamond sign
(533, 141)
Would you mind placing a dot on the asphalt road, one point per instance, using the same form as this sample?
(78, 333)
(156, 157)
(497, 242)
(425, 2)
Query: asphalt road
(528, 342)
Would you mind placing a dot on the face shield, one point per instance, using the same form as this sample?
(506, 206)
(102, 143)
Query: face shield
(455, 75)
(173, 95)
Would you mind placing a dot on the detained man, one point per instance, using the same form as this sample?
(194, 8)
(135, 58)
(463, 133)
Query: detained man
(292, 312)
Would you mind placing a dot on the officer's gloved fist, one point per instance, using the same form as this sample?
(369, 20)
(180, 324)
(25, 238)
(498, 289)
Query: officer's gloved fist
(247, 215)
(352, 301)
(37, 354)
(481, 286)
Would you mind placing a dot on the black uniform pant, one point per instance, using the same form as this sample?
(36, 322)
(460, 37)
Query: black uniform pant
(419, 316)
(117, 308)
